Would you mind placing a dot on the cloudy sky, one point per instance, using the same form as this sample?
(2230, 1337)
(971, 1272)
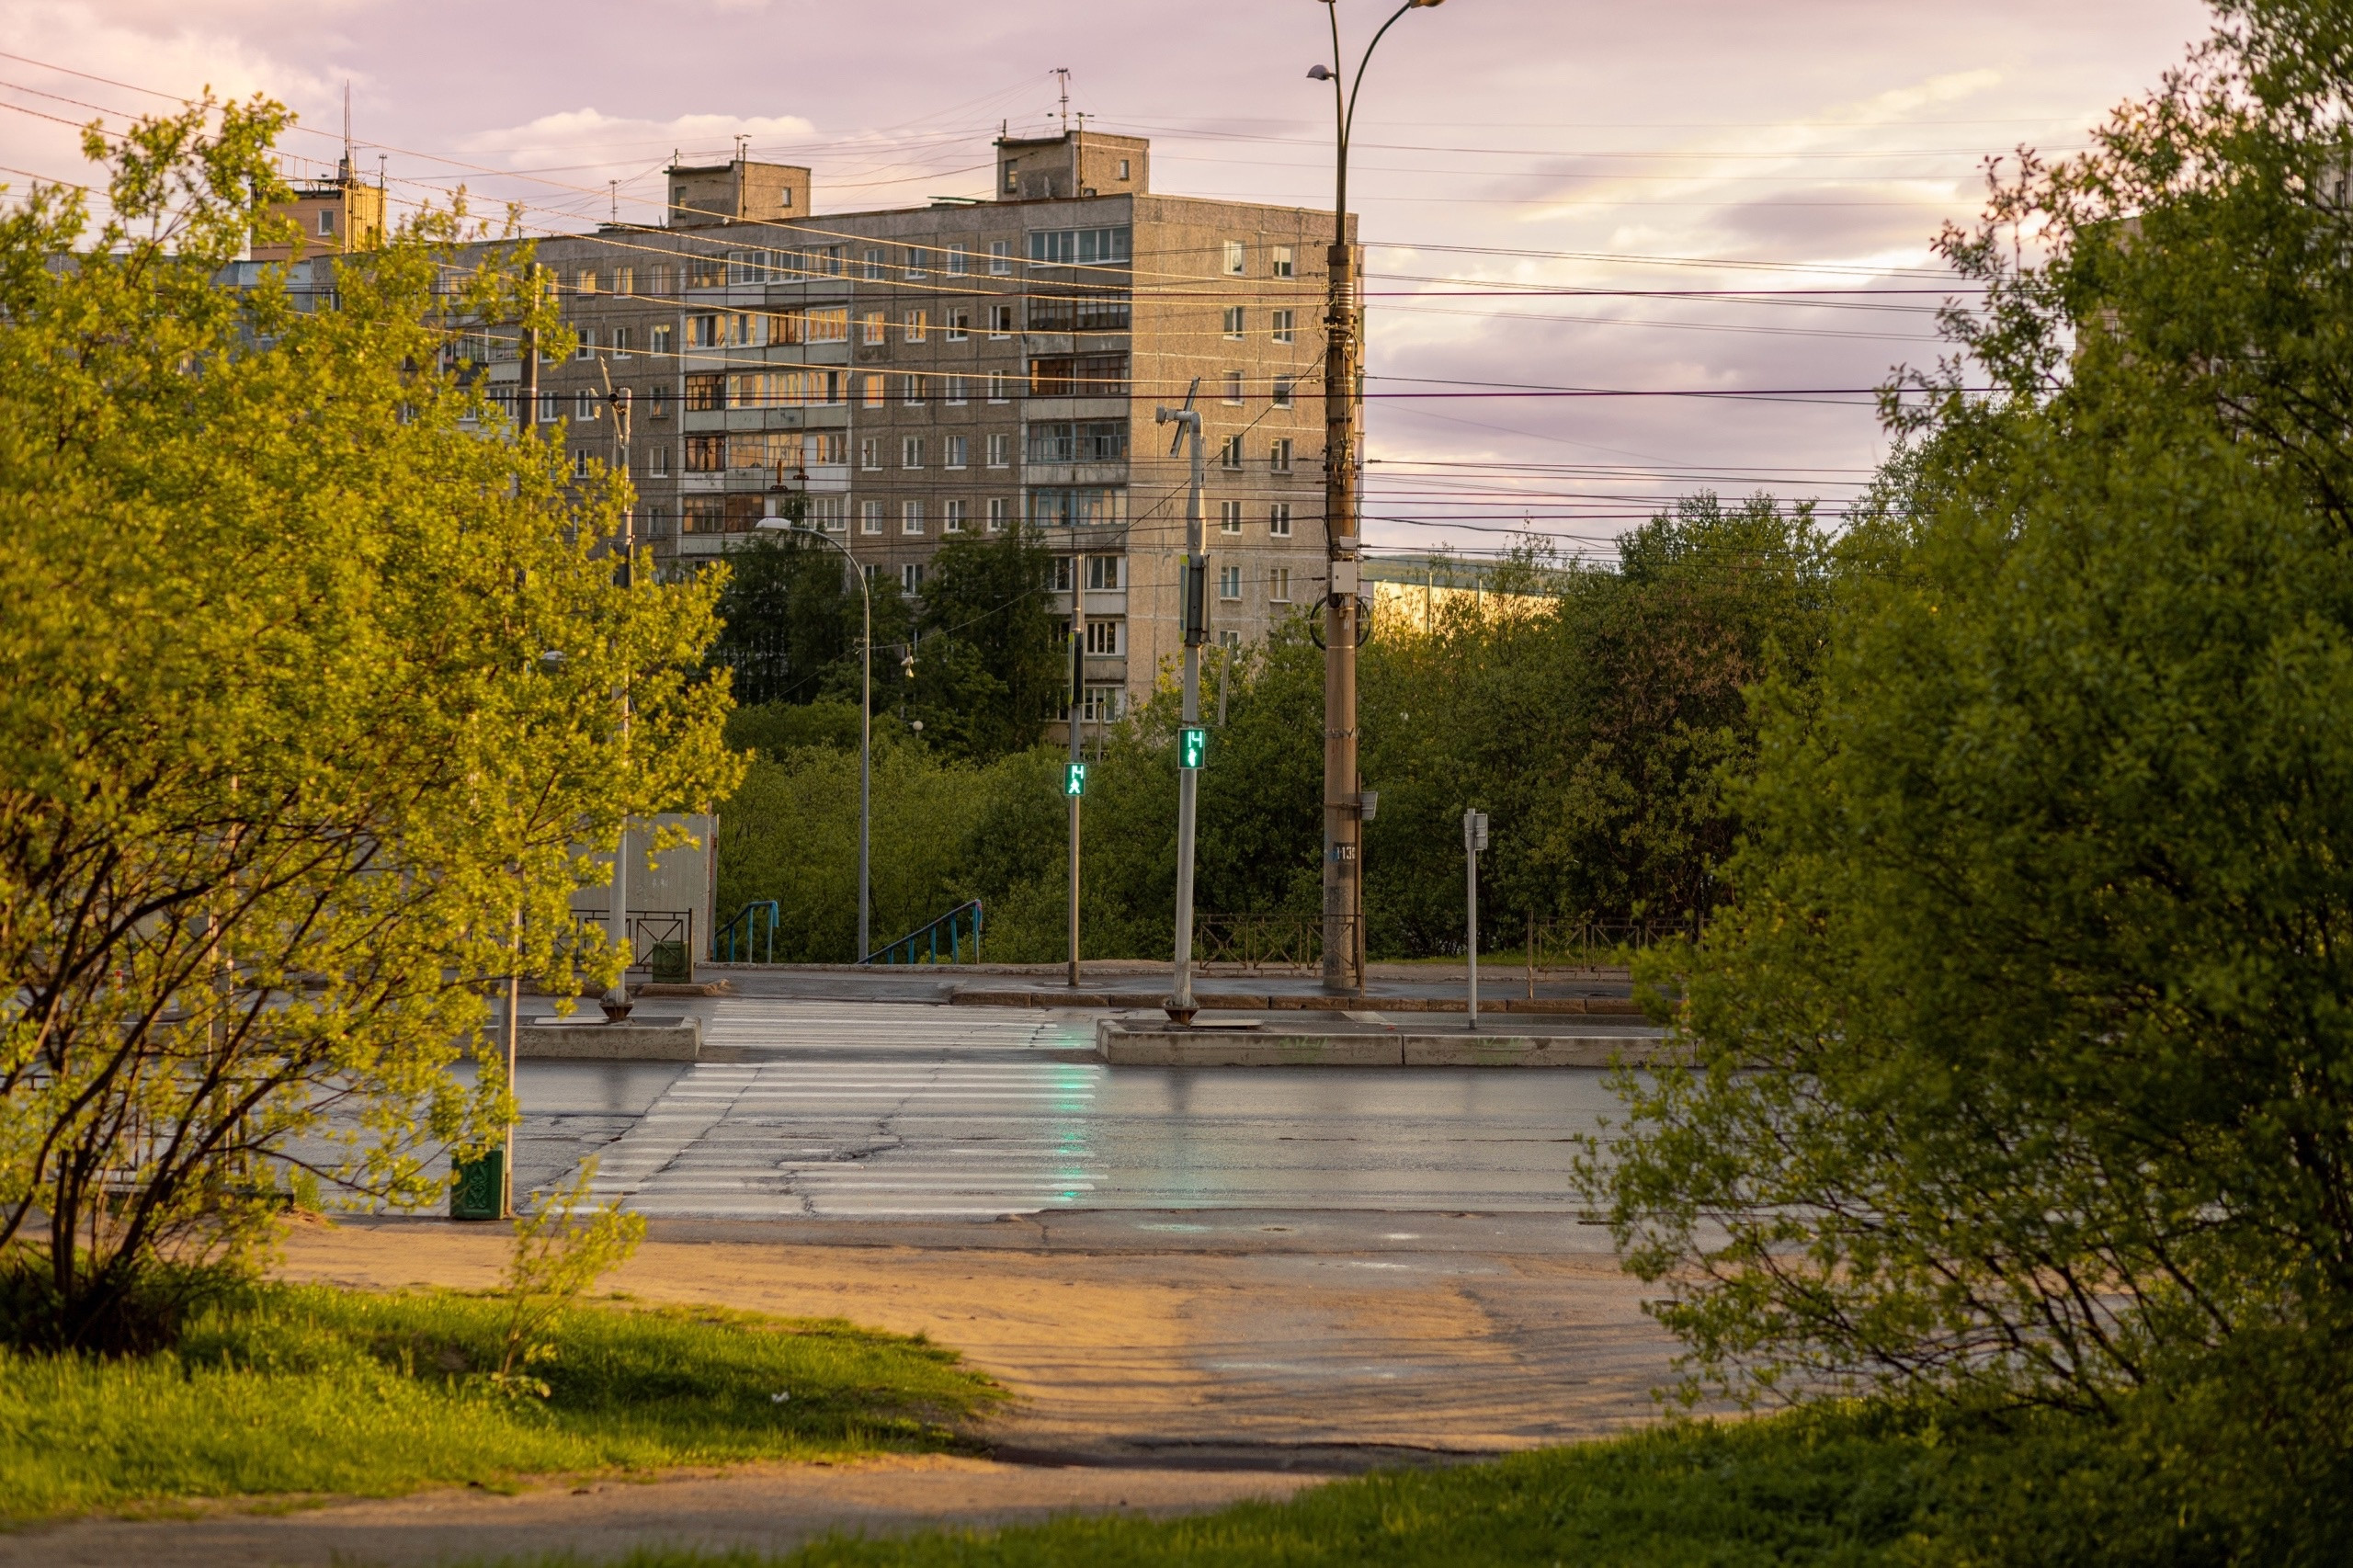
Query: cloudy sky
(1677, 198)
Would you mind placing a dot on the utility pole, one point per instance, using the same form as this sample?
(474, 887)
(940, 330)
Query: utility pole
(1192, 740)
(1474, 839)
(1343, 824)
(616, 1000)
(1074, 776)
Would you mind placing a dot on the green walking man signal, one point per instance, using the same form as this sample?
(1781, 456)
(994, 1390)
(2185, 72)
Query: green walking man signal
(1074, 778)
(1195, 740)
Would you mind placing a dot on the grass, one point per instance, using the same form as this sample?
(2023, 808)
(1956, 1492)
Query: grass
(309, 1390)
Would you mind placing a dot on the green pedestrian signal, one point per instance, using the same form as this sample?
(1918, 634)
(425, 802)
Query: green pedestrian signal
(1074, 778)
(1195, 741)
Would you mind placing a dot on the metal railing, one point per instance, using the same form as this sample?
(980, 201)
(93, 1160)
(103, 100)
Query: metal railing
(754, 927)
(661, 942)
(1248, 944)
(922, 944)
(1586, 944)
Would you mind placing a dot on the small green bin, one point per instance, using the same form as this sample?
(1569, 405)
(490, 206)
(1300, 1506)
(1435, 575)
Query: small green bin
(670, 964)
(479, 1191)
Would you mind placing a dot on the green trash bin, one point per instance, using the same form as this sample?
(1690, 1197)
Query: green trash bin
(479, 1191)
(670, 964)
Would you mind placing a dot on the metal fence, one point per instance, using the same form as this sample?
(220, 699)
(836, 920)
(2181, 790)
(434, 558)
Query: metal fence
(1252, 944)
(661, 942)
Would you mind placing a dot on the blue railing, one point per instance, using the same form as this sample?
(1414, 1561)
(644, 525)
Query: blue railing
(922, 945)
(755, 925)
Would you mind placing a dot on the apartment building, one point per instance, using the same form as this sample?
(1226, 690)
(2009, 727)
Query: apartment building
(909, 375)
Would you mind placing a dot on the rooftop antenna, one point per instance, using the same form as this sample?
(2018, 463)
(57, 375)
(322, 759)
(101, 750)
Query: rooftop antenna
(380, 171)
(739, 139)
(615, 186)
(1063, 72)
(346, 129)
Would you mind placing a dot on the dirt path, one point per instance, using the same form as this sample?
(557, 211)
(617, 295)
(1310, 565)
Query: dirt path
(1161, 1362)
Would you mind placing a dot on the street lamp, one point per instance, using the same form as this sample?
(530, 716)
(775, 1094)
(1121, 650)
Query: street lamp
(1343, 821)
(865, 716)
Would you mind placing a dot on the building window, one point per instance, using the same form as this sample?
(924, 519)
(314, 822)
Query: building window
(911, 390)
(1103, 574)
(1229, 516)
(1000, 514)
(327, 221)
(1234, 262)
(911, 577)
(870, 453)
(1233, 321)
(952, 517)
(1279, 584)
(911, 517)
(1102, 705)
(1080, 441)
(825, 448)
(1286, 327)
(1000, 385)
(953, 451)
(1280, 258)
(584, 406)
(620, 343)
(1234, 388)
(869, 516)
(1079, 247)
(871, 265)
(706, 393)
(1229, 453)
(706, 454)
(1229, 582)
(1000, 321)
(873, 389)
(870, 327)
(657, 459)
(958, 322)
(959, 260)
(1283, 385)
(1000, 451)
(551, 407)
(657, 339)
(911, 451)
(1000, 256)
(660, 400)
(1280, 456)
(587, 348)
(1278, 520)
(918, 323)
(917, 262)
(1103, 638)
(580, 465)
(702, 332)
(624, 280)
(1058, 506)
(703, 514)
(830, 513)
(1124, 168)
(953, 391)
(1080, 375)
(828, 323)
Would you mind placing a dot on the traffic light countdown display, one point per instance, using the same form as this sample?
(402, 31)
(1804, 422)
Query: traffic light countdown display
(1074, 778)
(1194, 743)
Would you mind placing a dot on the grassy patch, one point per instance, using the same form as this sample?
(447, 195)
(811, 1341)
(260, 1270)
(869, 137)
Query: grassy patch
(299, 1388)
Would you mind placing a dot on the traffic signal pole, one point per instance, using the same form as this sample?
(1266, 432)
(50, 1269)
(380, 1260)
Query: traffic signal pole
(1194, 596)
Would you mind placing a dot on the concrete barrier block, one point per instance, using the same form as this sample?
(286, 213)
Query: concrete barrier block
(1527, 1050)
(639, 1039)
(1128, 1047)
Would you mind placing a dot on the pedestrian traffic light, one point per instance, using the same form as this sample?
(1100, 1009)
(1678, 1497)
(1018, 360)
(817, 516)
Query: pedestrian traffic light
(1074, 778)
(1196, 741)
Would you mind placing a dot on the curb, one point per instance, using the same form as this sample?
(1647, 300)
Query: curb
(1262, 1001)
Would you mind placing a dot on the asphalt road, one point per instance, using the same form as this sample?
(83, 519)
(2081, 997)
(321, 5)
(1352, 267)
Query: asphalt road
(893, 1111)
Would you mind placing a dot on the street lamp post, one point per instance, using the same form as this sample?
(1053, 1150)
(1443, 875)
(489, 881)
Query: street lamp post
(1343, 821)
(865, 720)
(617, 1001)
(1194, 596)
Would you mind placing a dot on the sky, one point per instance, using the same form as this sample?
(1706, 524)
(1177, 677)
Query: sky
(1560, 200)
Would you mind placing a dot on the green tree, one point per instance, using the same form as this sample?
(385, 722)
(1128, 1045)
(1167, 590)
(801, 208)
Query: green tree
(792, 617)
(2022, 1065)
(311, 717)
(992, 669)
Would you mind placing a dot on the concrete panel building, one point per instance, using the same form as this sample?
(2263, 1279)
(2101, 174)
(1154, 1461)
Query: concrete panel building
(913, 374)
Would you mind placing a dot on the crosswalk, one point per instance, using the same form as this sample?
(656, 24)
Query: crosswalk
(862, 1138)
(763, 1024)
(870, 1110)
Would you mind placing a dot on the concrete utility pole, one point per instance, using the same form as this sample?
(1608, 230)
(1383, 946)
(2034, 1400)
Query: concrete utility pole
(1192, 740)
(1075, 779)
(1474, 839)
(1342, 826)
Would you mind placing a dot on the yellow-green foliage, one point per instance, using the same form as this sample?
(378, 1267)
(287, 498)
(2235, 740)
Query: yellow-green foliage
(309, 1390)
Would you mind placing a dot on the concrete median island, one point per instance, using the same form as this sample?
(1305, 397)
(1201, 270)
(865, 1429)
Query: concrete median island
(1156, 1042)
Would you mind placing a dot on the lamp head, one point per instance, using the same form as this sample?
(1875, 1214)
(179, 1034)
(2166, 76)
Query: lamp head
(1320, 72)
